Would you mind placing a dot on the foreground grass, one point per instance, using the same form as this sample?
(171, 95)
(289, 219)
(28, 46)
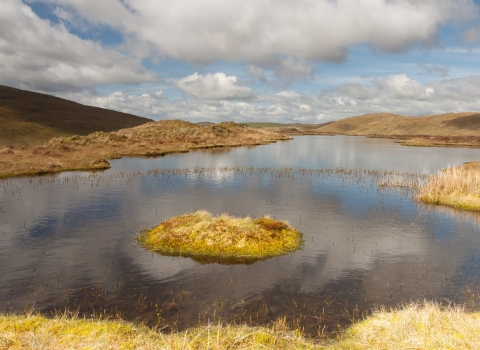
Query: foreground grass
(222, 239)
(92, 152)
(457, 187)
(414, 326)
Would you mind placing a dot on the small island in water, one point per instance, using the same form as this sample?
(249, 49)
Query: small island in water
(223, 239)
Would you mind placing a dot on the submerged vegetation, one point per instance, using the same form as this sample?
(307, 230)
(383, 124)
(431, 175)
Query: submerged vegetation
(222, 239)
(457, 187)
(415, 326)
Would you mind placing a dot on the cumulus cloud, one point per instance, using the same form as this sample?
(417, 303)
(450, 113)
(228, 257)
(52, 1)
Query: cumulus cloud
(35, 54)
(393, 94)
(261, 31)
(401, 87)
(216, 86)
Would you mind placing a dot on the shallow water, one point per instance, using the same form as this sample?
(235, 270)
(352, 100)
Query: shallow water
(68, 241)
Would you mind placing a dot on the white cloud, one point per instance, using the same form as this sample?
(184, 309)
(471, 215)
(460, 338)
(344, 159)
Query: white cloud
(261, 31)
(289, 94)
(401, 87)
(393, 94)
(36, 55)
(216, 86)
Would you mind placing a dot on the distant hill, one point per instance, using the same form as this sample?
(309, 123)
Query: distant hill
(30, 118)
(385, 124)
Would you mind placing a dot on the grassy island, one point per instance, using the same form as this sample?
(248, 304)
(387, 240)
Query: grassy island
(223, 239)
(415, 326)
(457, 187)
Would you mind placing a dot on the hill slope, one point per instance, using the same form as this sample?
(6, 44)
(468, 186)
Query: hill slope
(150, 139)
(30, 118)
(384, 124)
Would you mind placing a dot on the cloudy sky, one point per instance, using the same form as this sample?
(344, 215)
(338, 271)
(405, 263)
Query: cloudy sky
(307, 61)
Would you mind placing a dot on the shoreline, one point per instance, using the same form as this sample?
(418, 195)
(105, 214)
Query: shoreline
(420, 325)
(155, 139)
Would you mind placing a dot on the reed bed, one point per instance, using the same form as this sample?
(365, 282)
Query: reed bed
(457, 187)
(425, 325)
(222, 239)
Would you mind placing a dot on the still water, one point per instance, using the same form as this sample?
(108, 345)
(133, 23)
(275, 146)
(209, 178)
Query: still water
(68, 241)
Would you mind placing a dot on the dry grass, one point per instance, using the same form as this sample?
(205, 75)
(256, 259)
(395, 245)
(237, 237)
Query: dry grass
(152, 139)
(457, 187)
(424, 325)
(387, 125)
(66, 332)
(415, 326)
(222, 239)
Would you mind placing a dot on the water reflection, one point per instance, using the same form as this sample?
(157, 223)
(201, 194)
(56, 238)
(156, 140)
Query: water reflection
(69, 241)
(315, 152)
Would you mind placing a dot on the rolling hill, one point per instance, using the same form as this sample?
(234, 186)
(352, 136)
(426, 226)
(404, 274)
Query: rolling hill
(391, 125)
(30, 118)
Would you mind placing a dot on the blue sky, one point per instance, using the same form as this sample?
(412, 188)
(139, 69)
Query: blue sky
(305, 61)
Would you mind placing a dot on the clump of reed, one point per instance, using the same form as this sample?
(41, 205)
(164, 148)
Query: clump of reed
(222, 239)
(457, 187)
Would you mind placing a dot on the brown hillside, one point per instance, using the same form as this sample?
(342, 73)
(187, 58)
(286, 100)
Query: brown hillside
(30, 118)
(385, 124)
(150, 139)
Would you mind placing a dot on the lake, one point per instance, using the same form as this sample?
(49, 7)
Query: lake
(67, 241)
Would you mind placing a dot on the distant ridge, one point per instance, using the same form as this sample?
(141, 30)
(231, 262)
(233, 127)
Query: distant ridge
(30, 118)
(386, 124)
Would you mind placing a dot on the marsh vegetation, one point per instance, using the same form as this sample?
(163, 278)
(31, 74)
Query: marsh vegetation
(424, 325)
(222, 239)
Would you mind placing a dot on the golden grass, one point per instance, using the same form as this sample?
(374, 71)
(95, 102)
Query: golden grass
(425, 325)
(222, 239)
(91, 152)
(457, 187)
(415, 326)
(66, 332)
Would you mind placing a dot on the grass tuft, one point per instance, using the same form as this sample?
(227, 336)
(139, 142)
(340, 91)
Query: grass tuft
(223, 239)
(457, 187)
(424, 325)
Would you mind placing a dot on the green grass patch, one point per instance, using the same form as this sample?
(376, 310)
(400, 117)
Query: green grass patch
(223, 239)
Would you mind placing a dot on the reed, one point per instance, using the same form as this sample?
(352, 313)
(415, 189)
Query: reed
(222, 239)
(457, 187)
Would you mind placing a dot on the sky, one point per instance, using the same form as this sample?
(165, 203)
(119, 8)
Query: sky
(305, 61)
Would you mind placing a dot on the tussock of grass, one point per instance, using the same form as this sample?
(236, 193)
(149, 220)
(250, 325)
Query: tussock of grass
(457, 187)
(415, 326)
(222, 239)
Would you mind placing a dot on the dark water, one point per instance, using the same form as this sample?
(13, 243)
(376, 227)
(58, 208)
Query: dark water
(68, 241)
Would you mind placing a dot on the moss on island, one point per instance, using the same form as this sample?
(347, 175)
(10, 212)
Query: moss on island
(223, 239)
